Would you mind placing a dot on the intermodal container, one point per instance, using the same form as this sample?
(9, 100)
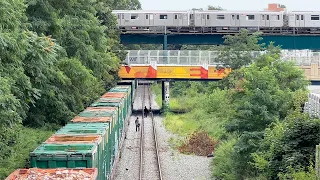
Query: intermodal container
(113, 110)
(98, 117)
(65, 156)
(114, 95)
(132, 83)
(39, 174)
(125, 89)
(114, 102)
(82, 139)
(102, 129)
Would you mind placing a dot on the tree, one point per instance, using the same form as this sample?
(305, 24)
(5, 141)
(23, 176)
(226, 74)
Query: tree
(236, 51)
(214, 7)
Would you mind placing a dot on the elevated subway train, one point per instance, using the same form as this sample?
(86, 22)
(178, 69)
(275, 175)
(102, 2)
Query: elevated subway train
(214, 21)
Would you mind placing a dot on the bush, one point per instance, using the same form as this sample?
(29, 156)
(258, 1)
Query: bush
(222, 164)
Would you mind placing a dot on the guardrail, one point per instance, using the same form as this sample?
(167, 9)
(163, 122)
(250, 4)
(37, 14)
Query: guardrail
(196, 57)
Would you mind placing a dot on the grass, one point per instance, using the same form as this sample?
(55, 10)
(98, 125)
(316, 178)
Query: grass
(175, 103)
(28, 140)
(156, 89)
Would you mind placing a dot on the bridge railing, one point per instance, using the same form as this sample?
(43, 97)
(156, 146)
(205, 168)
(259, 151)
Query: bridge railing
(196, 57)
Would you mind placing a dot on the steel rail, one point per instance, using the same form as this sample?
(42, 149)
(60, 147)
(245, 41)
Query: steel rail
(142, 135)
(155, 136)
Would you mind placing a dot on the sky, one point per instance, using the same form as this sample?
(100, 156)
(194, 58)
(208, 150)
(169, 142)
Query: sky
(292, 5)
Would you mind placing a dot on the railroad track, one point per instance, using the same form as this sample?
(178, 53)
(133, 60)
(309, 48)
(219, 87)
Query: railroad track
(150, 166)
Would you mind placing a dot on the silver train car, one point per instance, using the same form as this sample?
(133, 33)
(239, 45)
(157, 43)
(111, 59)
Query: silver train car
(151, 20)
(216, 21)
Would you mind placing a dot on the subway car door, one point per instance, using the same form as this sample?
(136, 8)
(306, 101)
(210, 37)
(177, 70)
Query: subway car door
(299, 20)
(149, 19)
(207, 22)
(235, 20)
(176, 20)
(267, 21)
(263, 20)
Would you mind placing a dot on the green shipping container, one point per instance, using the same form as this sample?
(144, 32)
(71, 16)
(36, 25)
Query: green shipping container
(128, 102)
(114, 111)
(92, 129)
(114, 102)
(65, 156)
(132, 83)
(83, 139)
(90, 116)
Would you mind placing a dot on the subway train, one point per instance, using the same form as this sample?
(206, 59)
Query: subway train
(216, 21)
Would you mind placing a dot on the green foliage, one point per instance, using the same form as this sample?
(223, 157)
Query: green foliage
(83, 36)
(236, 51)
(223, 163)
(56, 57)
(308, 174)
(289, 145)
(259, 103)
(19, 156)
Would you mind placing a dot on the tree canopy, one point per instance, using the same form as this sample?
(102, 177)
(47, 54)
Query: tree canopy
(56, 57)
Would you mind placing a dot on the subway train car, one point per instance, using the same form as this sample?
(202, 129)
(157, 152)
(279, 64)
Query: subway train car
(218, 21)
(233, 20)
(151, 20)
(310, 21)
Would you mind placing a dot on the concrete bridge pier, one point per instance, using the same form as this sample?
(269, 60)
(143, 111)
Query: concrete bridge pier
(165, 94)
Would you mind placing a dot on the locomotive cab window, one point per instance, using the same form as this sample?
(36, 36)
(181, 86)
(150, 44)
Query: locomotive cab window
(315, 17)
(163, 16)
(220, 16)
(250, 17)
(134, 16)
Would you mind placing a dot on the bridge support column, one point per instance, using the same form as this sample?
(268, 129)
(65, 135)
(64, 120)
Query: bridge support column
(165, 95)
(165, 42)
(165, 48)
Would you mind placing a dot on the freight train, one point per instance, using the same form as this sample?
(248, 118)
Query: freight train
(218, 21)
(88, 146)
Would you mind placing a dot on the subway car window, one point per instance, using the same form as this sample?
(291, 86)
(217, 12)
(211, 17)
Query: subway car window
(163, 16)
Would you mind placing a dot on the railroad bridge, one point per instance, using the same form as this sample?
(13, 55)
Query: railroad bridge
(173, 65)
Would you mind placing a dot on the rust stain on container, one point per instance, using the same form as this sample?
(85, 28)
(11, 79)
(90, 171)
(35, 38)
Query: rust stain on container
(67, 139)
(91, 119)
(110, 99)
(114, 95)
(39, 174)
(101, 109)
